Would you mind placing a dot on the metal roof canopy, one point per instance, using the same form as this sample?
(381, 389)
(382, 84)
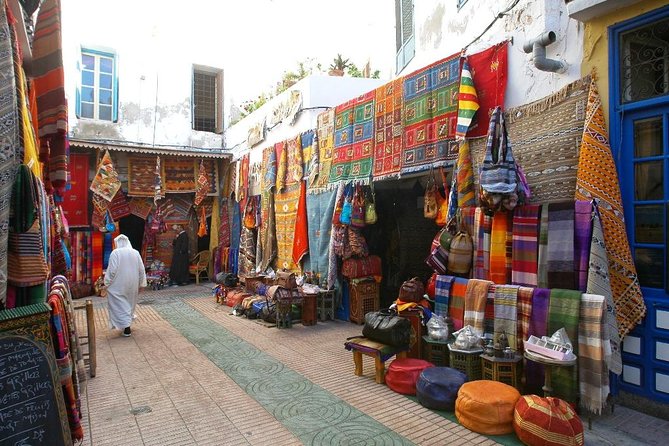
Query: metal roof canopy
(151, 150)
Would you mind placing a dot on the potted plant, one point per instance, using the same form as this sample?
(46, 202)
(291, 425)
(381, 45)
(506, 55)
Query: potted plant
(339, 64)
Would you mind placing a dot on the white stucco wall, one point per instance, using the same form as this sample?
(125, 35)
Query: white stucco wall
(441, 30)
(146, 60)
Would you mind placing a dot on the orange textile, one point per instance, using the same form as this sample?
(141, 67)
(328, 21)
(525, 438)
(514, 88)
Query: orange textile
(301, 237)
(500, 259)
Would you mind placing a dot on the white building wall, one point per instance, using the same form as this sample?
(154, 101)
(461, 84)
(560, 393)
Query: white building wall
(441, 30)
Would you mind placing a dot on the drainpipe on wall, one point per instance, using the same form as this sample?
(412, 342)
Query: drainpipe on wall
(537, 47)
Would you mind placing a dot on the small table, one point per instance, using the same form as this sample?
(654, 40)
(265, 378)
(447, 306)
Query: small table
(550, 363)
(505, 370)
(380, 352)
(435, 351)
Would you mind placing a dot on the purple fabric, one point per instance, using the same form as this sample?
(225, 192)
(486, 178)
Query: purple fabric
(582, 236)
(534, 373)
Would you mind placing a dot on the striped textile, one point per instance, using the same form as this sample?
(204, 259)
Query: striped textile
(500, 270)
(465, 177)
(563, 311)
(524, 304)
(285, 208)
(268, 166)
(388, 142)
(49, 83)
(203, 187)
(476, 296)
(482, 270)
(525, 245)
(506, 314)
(598, 283)
(534, 372)
(593, 374)
(309, 154)
(489, 318)
(442, 290)
(582, 237)
(597, 178)
(542, 252)
(468, 101)
(325, 136)
(281, 165)
(456, 302)
(560, 257)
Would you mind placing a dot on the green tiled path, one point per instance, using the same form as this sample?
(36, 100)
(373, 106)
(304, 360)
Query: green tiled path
(314, 415)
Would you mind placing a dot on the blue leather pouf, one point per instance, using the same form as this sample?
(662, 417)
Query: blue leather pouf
(437, 387)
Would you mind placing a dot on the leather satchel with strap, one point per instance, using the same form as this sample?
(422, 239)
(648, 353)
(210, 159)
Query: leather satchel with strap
(412, 290)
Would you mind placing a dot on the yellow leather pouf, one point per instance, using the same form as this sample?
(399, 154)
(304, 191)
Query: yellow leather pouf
(486, 407)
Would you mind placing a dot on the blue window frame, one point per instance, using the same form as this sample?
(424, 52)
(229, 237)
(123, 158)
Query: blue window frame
(404, 34)
(97, 94)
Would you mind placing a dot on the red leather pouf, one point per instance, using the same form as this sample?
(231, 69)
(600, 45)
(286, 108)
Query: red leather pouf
(547, 422)
(403, 374)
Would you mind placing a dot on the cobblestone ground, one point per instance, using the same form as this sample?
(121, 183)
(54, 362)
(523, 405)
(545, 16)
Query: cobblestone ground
(193, 374)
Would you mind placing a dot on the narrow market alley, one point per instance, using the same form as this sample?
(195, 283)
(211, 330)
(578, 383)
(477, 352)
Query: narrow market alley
(194, 374)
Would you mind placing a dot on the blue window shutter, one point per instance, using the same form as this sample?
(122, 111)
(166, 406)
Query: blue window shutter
(77, 103)
(115, 95)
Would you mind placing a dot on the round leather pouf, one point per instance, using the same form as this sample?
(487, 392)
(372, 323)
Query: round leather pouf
(403, 374)
(437, 387)
(486, 407)
(547, 422)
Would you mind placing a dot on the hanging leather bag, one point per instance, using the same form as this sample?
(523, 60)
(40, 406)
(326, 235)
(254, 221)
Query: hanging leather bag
(461, 251)
(386, 327)
(412, 290)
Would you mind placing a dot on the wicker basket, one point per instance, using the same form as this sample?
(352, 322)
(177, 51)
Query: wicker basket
(467, 361)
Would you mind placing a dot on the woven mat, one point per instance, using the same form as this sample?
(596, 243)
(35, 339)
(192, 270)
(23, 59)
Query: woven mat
(546, 137)
(179, 175)
(141, 176)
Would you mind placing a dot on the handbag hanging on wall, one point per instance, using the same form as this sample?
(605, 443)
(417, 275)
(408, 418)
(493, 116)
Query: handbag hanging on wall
(358, 208)
(370, 207)
(430, 205)
(250, 214)
(461, 251)
(347, 208)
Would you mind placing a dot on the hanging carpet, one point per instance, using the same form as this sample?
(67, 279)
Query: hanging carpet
(388, 128)
(75, 200)
(141, 176)
(179, 175)
(325, 133)
(320, 208)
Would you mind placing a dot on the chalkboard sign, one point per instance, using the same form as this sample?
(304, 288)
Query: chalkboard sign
(31, 400)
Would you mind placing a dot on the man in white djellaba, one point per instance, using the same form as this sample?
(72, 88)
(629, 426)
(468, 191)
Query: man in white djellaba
(124, 277)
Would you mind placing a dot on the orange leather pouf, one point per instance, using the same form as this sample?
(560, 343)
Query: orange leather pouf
(547, 422)
(486, 407)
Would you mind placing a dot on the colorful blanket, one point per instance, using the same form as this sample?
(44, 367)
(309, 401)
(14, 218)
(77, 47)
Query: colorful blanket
(224, 228)
(563, 311)
(243, 179)
(582, 237)
(593, 374)
(286, 216)
(267, 229)
(203, 184)
(268, 167)
(524, 303)
(301, 235)
(465, 178)
(106, 182)
(456, 303)
(141, 175)
(320, 208)
(75, 200)
(506, 314)
(281, 151)
(560, 256)
(500, 254)
(525, 245)
(119, 208)
(442, 290)
(468, 101)
(309, 153)
(489, 318)
(597, 179)
(294, 157)
(140, 207)
(211, 169)
(542, 252)
(430, 115)
(534, 372)
(475, 302)
(482, 266)
(179, 175)
(353, 140)
(388, 143)
(325, 136)
(598, 283)
(489, 71)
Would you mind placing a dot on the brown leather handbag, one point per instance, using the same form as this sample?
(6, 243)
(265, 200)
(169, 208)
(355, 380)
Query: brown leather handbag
(286, 279)
(412, 290)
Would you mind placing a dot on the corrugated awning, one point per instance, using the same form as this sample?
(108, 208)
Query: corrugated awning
(173, 151)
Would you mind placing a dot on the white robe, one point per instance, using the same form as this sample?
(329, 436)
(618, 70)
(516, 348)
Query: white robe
(124, 276)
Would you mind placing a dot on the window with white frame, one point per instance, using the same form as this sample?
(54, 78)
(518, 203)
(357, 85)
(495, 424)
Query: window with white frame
(404, 33)
(461, 3)
(207, 99)
(97, 98)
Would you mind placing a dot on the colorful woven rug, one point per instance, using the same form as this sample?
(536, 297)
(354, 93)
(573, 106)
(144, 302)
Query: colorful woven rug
(140, 207)
(482, 265)
(179, 175)
(545, 135)
(560, 256)
(211, 168)
(295, 163)
(430, 115)
(309, 153)
(525, 245)
(203, 184)
(456, 304)
(106, 182)
(353, 140)
(320, 208)
(563, 311)
(598, 179)
(442, 291)
(301, 235)
(582, 238)
(534, 372)
(281, 165)
(75, 200)
(325, 133)
(141, 175)
(524, 303)
(268, 167)
(388, 142)
(489, 71)
(286, 216)
(542, 252)
(119, 208)
(506, 314)
(224, 228)
(500, 248)
(243, 183)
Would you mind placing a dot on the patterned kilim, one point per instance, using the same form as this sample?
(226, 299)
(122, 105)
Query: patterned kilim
(179, 175)
(560, 256)
(465, 177)
(295, 163)
(203, 185)
(75, 200)
(141, 176)
(468, 101)
(325, 133)
(309, 153)
(106, 182)
(268, 168)
(524, 313)
(286, 216)
(546, 135)
(582, 237)
(119, 208)
(140, 207)
(281, 165)
(301, 235)
(267, 229)
(563, 311)
(489, 71)
(354, 140)
(430, 115)
(243, 184)
(475, 302)
(388, 142)
(320, 208)
(525, 245)
(506, 314)
(597, 179)
(211, 167)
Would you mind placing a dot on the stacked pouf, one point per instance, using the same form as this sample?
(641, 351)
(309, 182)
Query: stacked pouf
(547, 422)
(486, 407)
(437, 387)
(403, 373)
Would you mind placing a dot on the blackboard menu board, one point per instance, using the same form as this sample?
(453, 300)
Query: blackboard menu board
(31, 401)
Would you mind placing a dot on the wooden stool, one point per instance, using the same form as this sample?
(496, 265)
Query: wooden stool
(380, 352)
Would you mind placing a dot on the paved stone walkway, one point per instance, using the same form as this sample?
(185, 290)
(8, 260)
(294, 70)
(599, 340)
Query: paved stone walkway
(193, 374)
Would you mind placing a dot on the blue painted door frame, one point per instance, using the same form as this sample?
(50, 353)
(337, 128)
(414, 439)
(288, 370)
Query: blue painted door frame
(643, 371)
